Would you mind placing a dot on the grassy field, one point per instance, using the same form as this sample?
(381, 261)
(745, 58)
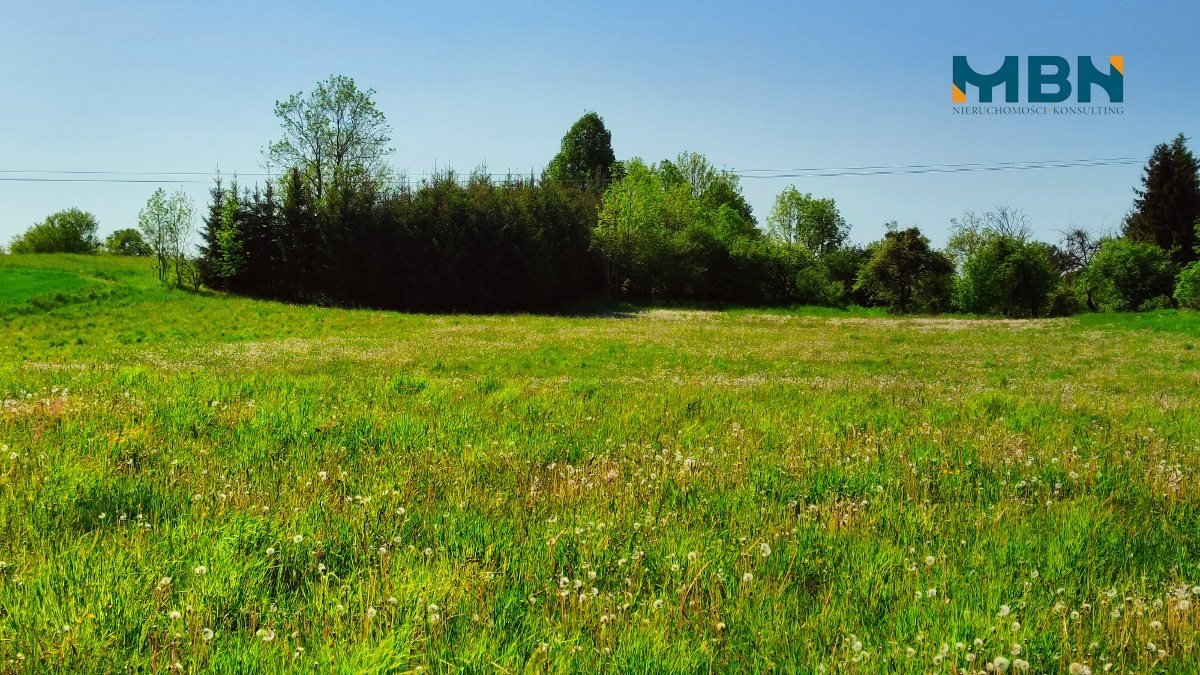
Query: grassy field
(212, 484)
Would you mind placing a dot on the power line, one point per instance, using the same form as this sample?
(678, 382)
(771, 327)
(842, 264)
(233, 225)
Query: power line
(161, 177)
(946, 169)
(929, 166)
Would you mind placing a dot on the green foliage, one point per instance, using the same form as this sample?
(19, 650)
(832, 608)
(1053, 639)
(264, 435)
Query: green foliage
(971, 231)
(447, 246)
(586, 156)
(843, 266)
(1007, 276)
(1064, 300)
(679, 230)
(800, 218)
(640, 219)
(1168, 204)
(127, 242)
(230, 238)
(1125, 274)
(166, 225)
(335, 136)
(1187, 289)
(69, 231)
(906, 274)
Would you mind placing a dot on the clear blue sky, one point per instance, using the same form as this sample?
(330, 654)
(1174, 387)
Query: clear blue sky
(158, 86)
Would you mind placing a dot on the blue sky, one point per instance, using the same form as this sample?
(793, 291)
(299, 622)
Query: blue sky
(156, 87)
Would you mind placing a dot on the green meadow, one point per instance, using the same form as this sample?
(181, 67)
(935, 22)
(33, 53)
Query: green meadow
(194, 482)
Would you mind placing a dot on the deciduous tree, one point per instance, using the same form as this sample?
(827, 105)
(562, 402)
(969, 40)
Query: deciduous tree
(166, 224)
(586, 157)
(335, 135)
(906, 274)
(800, 218)
(69, 231)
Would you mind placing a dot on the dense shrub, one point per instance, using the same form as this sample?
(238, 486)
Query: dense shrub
(672, 233)
(1064, 300)
(1125, 275)
(69, 231)
(1187, 289)
(1005, 275)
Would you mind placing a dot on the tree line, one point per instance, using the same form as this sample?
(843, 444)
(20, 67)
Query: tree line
(338, 228)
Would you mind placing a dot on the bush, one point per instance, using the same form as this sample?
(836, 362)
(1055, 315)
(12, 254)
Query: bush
(1187, 289)
(1005, 275)
(1064, 301)
(1125, 275)
(843, 265)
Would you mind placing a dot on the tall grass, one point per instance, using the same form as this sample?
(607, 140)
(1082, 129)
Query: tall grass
(223, 485)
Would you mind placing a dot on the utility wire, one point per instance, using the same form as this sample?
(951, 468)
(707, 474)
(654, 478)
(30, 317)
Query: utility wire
(161, 177)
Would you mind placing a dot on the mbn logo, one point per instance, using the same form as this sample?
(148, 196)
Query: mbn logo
(1047, 79)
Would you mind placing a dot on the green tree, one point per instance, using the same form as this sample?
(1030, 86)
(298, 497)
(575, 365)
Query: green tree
(1167, 206)
(1008, 276)
(638, 216)
(127, 242)
(1125, 275)
(843, 265)
(586, 156)
(1187, 289)
(335, 135)
(970, 231)
(69, 231)
(800, 218)
(210, 247)
(713, 187)
(166, 225)
(906, 274)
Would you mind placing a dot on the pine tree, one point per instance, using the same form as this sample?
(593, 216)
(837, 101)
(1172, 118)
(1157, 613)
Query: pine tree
(210, 245)
(1168, 205)
(299, 240)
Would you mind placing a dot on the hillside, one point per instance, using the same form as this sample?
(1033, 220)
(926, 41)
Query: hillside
(243, 486)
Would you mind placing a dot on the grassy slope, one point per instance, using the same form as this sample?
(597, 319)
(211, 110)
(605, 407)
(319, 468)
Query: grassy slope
(912, 478)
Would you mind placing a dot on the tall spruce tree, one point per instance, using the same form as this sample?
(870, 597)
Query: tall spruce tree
(210, 246)
(1168, 204)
